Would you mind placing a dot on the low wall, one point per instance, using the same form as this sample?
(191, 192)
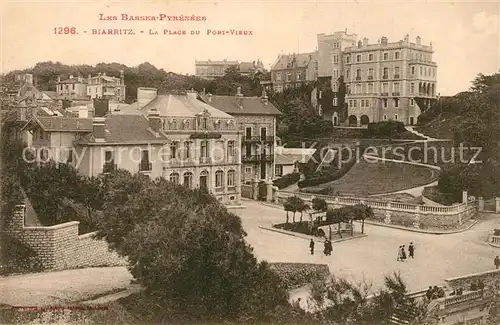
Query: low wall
(406, 214)
(247, 191)
(495, 240)
(60, 247)
(489, 278)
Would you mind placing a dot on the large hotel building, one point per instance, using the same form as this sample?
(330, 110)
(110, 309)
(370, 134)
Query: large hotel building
(388, 81)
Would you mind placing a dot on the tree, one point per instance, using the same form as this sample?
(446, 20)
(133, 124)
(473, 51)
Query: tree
(294, 204)
(319, 204)
(362, 212)
(303, 207)
(336, 216)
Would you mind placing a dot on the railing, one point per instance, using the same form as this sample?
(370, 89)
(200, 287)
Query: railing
(257, 138)
(385, 77)
(145, 166)
(257, 158)
(454, 300)
(219, 189)
(384, 94)
(396, 76)
(358, 78)
(370, 77)
(495, 239)
(396, 93)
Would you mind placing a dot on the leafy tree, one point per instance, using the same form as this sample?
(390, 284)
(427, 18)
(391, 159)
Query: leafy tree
(294, 204)
(319, 204)
(337, 216)
(303, 207)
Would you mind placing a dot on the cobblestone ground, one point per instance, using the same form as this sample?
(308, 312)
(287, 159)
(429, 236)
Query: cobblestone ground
(437, 257)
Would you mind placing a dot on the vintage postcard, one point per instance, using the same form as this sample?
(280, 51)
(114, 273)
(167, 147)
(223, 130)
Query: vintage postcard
(250, 162)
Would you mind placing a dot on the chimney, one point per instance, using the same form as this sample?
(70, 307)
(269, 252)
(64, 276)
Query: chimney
(66, 103)
(101, 107)
(419, 40)
(122, 77)
(264, 97)
(203, 91)
(407, 38)
(104, 73)
(98, 128)
(360, 43)
(154, 120)
(383, 40)
(238, 97)
(365, 41)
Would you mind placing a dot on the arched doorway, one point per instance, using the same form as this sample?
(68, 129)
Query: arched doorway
(335, 119)
(353, 120)
(364, 120)
(412, 120)
(204, 180)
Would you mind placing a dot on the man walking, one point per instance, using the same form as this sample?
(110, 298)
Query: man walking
(497, 262)
(311, 247)
(411, 250)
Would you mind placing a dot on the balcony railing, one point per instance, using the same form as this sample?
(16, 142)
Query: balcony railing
(358, 78)
(258, 138)
(385, 77)
(370, 77)
(384, 94)
(257, 158)
(396, 93)
(145, 166)
(396, 76)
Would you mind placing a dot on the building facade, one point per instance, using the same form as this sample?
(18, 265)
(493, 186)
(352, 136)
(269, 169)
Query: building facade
(256, 118)
(72, 88)
(102, 86)
(211, 69)
(389, 80)
(291, 71)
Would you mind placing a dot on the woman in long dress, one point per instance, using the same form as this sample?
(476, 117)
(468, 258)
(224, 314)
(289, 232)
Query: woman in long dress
(403, 253)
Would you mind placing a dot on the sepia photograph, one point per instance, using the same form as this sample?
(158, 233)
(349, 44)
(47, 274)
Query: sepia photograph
(250, 162)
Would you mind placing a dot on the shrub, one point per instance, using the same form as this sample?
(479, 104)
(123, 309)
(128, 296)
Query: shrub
(287, 180)
(300, 227)
(329, 177)
(17, 256)
(386, 129)
(295, 275)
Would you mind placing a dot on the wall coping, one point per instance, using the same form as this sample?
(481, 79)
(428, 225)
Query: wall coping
(87, 235)
(55, 227)
(473, 275)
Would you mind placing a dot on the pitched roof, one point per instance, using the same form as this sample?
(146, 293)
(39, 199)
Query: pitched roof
(50, 94)
(301, 61)
(249, 105)
(61, 123)
(119, 130)
(247, 67)
(182, 106)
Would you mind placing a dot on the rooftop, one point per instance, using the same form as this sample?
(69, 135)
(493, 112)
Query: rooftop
(249, 105)
(300, 60)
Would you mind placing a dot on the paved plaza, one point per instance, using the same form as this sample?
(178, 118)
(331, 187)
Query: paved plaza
(437, 257)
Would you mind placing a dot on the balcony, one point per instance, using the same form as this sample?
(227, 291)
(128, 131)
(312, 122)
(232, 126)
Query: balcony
(145, 166)
(219, 190)
(396, 76)
(257, 138)
(396, 93)
(370, 77)
(205, 160)
(109, 167)
(385, 77)
(384, 94)
(358, 78)
(257, 158)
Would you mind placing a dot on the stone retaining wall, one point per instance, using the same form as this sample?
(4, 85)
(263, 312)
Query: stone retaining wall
(489, 278)
(60, 247)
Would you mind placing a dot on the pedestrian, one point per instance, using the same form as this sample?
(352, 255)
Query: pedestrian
(497, 262)
(399, 254)
(428, 294)
(311, 247)
(411, 250)
(325, 250)
(403, 253)
(330, 248)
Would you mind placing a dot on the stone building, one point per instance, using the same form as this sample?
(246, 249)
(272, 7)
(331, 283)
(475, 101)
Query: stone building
(211, 69)
(389, 80)
(291, 71)
(72, 88)
(102, 86)
(256, 118)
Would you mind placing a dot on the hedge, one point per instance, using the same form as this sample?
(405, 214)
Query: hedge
(296, 275)
(287, 180)
(329, 177)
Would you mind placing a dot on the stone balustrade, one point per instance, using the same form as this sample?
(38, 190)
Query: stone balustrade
(495, 240)
(399, 212)
(468, 296)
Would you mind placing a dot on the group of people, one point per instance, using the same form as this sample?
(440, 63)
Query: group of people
(434, 293)
(327, 250)
(402, 252)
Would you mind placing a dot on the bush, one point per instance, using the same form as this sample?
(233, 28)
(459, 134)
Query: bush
(386, 129)
(295, 275)
(329, 177)
(287, 180)
(17, 256)
(300, 227)
(496, 232)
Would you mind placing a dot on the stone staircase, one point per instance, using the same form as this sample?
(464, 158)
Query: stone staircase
(403, 315)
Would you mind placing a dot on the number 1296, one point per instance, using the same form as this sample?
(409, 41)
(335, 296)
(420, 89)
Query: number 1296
(65, 30)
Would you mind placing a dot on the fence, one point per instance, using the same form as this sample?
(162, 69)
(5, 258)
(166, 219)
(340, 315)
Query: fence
(60, 246)
(406, 214)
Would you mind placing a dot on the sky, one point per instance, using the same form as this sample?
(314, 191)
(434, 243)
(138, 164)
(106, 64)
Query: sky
(464, 35)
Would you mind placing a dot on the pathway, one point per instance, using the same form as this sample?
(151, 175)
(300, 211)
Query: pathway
(412, 130)
(437, 256)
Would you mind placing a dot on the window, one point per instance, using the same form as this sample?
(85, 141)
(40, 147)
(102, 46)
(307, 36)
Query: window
(385, 87)
(396, 72)
(355, 102)
(174, 178)
(336, 59)
(385, 104)
(412, 102)
(73, 86)
(358, 58)
(421, 71)
(347, 75)
(278, 76)
(396, 88)
(187, 148)
(358, 74)
(173, 150)
(370, 57)
(248, 170)
(231, 178)
(386, 73)
(336, 44)
(358, 89)
(396, 55)
(204, 149)
(412, 88)
(219, 178)
(386, 56)
(370, 73)
(188, 180)
(362, 104)
(370, 88)
(350, 103)
(230, 148)
(412, 70)
(335, 73)
(278, 170)
(385, 117)
(145, 165)
(288, 76)
(396, 103)
(335, 101)
(433, 72)
(70, 156)
(41, 134)
(396, 117)
(347, 59)
(298, 75)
